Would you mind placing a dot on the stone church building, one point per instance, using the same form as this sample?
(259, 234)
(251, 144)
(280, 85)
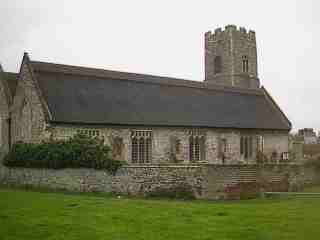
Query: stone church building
(226, 119)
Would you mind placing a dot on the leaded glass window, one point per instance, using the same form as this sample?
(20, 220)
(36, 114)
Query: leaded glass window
(141, 146)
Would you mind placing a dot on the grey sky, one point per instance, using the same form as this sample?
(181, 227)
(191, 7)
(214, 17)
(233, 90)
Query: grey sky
(166, 38)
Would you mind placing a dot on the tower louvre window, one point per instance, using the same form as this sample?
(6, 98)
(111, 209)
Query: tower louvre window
(141, 146)
(245, 64)
(217, 65)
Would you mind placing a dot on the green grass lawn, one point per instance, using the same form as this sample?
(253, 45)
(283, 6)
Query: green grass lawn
(33, 215)
(313, 189)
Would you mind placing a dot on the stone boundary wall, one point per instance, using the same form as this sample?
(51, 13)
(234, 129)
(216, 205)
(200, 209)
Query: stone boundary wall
(206, 181)
(311, 176)
(77, 180)
(142, 180)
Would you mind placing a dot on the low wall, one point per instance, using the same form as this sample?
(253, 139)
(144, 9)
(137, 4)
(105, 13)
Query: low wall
(311, 176)
(80, 180)
(144, 180)
(248, 181)
(204, 181)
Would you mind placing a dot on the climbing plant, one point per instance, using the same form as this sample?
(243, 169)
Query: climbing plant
(80, 151)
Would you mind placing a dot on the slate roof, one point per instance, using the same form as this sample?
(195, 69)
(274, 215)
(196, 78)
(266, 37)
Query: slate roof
(95, 96)
(12, 79)
(9, 81)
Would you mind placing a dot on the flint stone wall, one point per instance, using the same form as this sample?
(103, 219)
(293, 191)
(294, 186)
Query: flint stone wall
(162, 145)
(205, 181)
(77, 180)
(311, 176)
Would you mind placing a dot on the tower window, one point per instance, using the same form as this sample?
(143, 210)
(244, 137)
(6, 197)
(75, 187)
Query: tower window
(245, 64)
(141, 145)
(217, 65)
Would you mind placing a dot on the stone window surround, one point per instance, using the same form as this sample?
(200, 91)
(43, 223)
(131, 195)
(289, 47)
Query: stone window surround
(222, 148)
(285, 156)
(217, 64)
(246, 146)
(141, 146)
(196, 148)
(261, 143)
(197, 144)
(245, 64)
(89, 132)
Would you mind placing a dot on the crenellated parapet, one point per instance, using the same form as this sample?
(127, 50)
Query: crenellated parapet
(220, 34)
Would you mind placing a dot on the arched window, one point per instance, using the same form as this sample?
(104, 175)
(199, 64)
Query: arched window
(191, 148)
(245, 64)
(260, 143)
(135, 150)
(217, 65)
(141, 146)
(142, 152)
(223, 149)
(246, 146)
(196, 146)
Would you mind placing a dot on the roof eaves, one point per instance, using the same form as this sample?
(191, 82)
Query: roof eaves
(79, 123)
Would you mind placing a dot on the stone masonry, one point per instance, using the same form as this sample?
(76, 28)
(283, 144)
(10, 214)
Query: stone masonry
(28, 119)
(162, 146)
(4, 115)
(204, 181)
(231, 45)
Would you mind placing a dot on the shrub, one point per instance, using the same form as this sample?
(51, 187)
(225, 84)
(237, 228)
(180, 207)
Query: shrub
(79, 151)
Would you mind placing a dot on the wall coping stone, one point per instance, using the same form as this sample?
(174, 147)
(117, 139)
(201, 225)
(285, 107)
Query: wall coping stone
(162, 166)
(209, 164)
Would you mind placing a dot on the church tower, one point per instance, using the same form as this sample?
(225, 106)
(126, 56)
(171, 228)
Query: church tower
(231, 58)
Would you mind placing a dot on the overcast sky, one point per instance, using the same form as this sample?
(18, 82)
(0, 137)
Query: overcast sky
(167, 38)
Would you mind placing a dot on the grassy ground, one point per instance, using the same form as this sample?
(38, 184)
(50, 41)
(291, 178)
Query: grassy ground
(313, 189)
(33, 215)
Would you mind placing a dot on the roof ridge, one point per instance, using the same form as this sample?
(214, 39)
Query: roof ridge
(138, 77)
(11, 72)
(104, 70)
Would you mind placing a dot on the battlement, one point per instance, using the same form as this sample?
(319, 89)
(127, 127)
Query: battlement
(220, 34)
